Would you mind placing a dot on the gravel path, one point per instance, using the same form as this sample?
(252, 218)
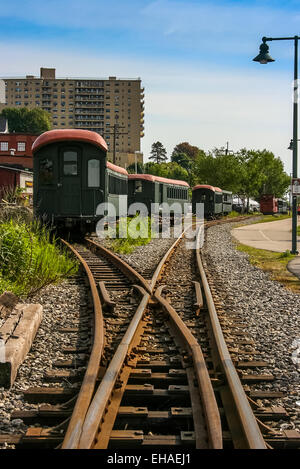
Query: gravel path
(62, 307)
(269, 310)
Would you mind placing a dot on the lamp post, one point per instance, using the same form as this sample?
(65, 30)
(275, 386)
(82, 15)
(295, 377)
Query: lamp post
(263, 57)
(290, 147)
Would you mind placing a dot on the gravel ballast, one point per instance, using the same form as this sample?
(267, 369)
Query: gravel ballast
(62, 307)
(270, 313)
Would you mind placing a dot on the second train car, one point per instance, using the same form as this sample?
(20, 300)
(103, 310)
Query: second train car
(149, 189)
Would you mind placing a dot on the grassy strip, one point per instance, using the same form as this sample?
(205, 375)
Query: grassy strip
(138, 234)
(29, 259)
(235, 214)
(274, 263)
(267, 218)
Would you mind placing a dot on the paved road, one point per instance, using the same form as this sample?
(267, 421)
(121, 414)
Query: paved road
(272, 236)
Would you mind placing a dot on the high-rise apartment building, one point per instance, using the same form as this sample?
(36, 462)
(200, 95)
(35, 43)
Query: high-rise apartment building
(112, 107)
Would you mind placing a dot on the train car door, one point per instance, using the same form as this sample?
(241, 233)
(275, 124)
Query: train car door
(70, 181)
(94, 191)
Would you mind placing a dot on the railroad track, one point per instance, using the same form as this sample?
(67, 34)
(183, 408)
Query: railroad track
(169, 379)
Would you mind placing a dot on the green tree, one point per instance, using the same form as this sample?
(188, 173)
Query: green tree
(33, 121)
(189, 150)
(158, 153)
(263, 174)
(183, 160)
(139, 167)
(170, 170)
(248, 173)
(186, 156)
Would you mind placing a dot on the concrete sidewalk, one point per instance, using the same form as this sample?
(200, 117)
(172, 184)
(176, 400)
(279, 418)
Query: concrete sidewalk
(273, 236)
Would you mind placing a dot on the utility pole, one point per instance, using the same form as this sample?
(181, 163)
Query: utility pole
(227, 150)
(116, 133)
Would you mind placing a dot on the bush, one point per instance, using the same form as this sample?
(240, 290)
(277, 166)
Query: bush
(127, 245)
(29, 260)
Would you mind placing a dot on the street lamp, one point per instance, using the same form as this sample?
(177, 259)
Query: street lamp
(264, 57)
(290, 147)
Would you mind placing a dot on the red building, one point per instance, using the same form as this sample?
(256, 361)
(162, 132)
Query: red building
(15, 150)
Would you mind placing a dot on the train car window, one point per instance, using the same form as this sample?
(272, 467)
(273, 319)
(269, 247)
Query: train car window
(138, 186)
(117, 185)
(93, 173)
(70, 163)
(46, 174)
(225, 197)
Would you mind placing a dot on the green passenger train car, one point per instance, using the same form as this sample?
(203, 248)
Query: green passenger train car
(211, 197)
(227, 202)
(149, 189)
(72, 177)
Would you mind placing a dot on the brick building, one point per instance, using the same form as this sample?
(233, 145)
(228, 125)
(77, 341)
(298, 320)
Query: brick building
(15, 150)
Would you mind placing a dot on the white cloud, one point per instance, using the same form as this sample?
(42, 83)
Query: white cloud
(206, 106)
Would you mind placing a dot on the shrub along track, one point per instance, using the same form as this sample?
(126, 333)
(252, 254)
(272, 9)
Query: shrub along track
(160, 388)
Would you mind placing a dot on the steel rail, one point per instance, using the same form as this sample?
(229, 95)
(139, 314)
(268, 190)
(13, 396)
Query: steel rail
(249, 428)
(88, 385)
(88, 429)
(98, 405)
(75, 428)
(97, 408)
(209, 404)
(120, 264)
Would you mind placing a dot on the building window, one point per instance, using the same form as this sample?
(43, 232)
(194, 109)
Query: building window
(21, 146)
(4, 146)
(93, 173)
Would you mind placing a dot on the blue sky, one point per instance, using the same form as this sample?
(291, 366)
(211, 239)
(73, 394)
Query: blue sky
(194, 58)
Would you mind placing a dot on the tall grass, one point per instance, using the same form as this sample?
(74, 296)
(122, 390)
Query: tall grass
(29, 259)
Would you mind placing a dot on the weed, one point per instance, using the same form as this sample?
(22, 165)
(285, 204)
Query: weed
(29, 259)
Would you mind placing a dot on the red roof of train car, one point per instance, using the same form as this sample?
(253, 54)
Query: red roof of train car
(60, 135)
(116, 168)
(207, 186)
(79, 135)
(150, 177)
